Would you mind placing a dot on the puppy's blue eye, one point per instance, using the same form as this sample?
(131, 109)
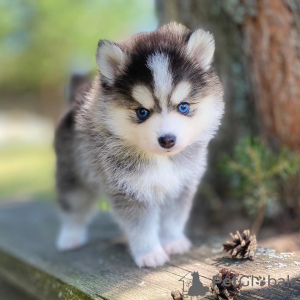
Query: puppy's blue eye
(142, 113)
(183, 108)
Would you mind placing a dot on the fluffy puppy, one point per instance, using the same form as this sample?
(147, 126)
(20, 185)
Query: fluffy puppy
(139, 134)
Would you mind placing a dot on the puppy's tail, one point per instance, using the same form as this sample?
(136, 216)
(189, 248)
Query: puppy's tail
(79, 85)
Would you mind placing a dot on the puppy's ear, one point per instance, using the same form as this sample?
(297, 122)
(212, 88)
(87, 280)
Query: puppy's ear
(201, 46)
(110, 59)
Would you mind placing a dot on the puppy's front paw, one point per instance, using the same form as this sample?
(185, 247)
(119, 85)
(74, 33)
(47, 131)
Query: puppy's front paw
(153, 259)
(178, 246)
(71, 238)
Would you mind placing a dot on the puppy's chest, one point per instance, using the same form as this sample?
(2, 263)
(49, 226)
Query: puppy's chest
(159, 180)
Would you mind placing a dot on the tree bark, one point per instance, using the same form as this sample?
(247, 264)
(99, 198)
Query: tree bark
(272, 44)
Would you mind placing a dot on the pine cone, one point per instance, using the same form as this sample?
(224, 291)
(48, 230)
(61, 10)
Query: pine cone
(242, 246)
(220, 291)
(176, 295)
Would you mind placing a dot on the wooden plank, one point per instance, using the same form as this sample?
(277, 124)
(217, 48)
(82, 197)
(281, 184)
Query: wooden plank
(104, 270)
(8, 292)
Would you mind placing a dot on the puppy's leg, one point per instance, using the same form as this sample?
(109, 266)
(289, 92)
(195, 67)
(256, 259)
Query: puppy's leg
(77, 208)
(140, 221)
(173, 217)
(76, 202)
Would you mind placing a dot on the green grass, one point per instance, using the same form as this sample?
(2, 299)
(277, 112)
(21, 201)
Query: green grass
(26, 171)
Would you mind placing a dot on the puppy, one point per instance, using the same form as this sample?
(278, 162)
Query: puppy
(139, 134)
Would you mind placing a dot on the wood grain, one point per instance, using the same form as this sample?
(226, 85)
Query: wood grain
(104, 269)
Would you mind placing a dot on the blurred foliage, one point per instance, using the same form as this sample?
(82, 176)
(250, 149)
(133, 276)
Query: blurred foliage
(27, 172)
(256, 174)
(43, 41)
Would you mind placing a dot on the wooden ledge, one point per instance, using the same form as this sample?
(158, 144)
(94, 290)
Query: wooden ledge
(104, 270)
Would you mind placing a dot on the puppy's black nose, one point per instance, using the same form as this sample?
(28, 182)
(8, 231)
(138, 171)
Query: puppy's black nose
(167, 141)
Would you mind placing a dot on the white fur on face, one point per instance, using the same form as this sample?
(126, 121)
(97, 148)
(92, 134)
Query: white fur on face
(159, 64)
(180, 92)
(145, 135)
(143, 95)
(187, 130)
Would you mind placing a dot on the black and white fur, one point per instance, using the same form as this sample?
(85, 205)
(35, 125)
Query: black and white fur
(103, 147)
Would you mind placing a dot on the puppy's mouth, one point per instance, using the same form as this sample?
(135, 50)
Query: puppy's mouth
(157, 150)
(172, 151)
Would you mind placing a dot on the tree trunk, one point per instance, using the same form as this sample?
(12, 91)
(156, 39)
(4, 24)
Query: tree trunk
(258, 60)
(272, 45)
